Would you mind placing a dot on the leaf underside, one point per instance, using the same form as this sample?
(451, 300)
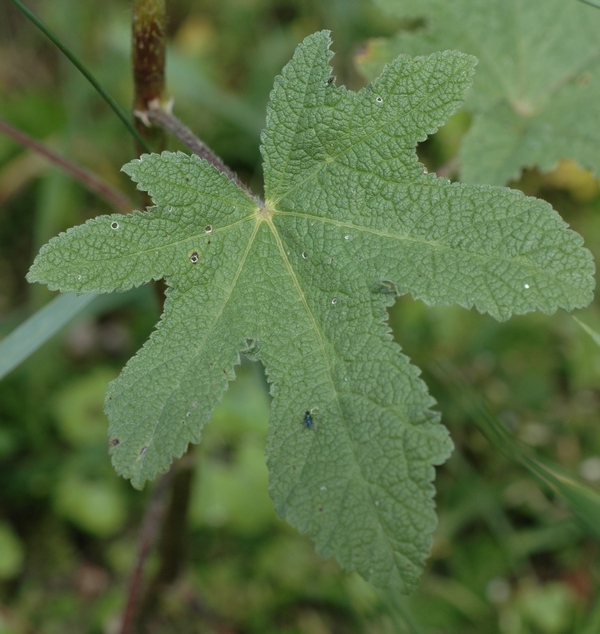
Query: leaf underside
(535, 97)
(302, 283)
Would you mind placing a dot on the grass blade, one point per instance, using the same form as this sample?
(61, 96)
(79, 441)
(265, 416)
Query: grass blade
(41, 326)
(583, 501)
(592, 333)
(84, 71)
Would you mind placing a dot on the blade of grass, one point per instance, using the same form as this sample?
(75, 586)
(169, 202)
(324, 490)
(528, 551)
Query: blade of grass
(35, 331)
(583, 501)
(400, 614)
(592, 333)
(84, 71)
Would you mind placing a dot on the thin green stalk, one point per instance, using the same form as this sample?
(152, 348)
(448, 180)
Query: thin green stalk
(84, 71)
(583, 501)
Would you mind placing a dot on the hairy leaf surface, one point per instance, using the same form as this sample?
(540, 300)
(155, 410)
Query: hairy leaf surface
(302, 282)
(536, 93)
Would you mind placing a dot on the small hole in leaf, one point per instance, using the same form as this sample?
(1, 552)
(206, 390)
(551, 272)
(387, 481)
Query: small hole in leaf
(379, 99)
(114, 225)
(334, 301)
(194, 257)
(208, 229)
(304, 255)
(143, 451)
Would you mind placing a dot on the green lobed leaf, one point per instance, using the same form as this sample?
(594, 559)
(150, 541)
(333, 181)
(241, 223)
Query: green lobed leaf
(535, 97)
(302, 282)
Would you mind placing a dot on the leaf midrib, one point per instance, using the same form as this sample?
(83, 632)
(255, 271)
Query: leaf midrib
(358, 472)
(192, 358)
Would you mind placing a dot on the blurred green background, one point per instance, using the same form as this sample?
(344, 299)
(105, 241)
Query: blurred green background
(508, 556)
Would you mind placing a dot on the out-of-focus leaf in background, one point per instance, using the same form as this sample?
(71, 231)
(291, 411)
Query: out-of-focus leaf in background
(535, 94)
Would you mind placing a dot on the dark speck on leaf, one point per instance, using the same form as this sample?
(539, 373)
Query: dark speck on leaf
(308, 421)
(114, 442)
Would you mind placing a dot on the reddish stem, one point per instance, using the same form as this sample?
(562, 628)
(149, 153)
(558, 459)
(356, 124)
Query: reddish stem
(89, 180)
(148, 535)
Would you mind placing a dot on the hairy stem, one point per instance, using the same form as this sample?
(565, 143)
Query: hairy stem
(172, 541)
(148, 534)
(148, 60)
(169, 122)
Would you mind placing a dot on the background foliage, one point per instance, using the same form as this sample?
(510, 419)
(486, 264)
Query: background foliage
(507, 557)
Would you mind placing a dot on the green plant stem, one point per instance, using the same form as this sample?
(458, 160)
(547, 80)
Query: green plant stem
(84, 71)
(87, 179)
